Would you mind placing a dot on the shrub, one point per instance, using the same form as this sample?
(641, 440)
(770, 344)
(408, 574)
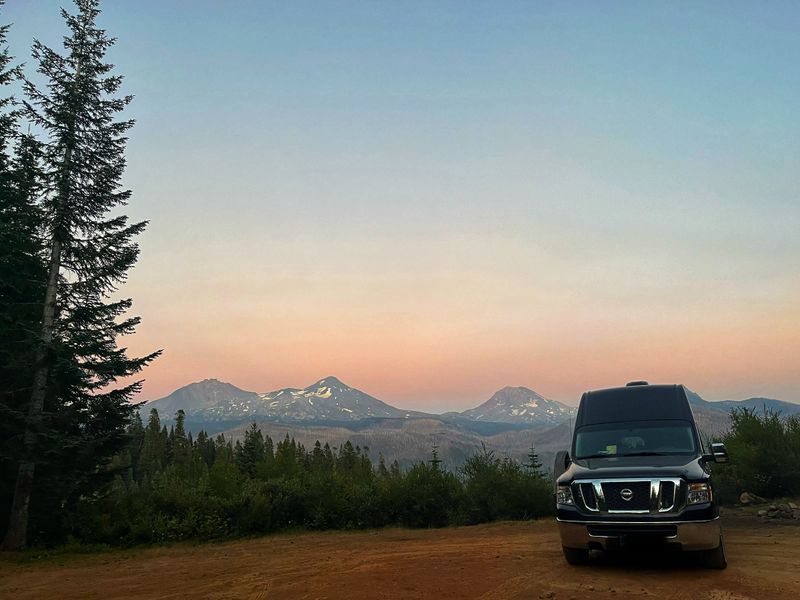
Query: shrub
(764, 451)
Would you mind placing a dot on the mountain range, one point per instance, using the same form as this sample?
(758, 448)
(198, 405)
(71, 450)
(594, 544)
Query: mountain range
(326, 400)
(330, 401)
(509, 423)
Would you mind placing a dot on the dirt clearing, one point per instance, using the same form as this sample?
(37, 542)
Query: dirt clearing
(506, 560)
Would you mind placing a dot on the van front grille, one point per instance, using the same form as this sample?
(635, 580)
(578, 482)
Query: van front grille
(635, 496)
(627, 495)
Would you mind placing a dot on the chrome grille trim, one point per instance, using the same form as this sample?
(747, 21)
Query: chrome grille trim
(658, 503)
(594, 506)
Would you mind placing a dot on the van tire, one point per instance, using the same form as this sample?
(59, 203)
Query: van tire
(575, 556)
(715, 559)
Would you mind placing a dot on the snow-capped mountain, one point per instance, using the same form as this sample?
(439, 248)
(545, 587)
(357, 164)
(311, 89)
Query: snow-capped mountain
(326, 400)
(520, 405)
(216, 406)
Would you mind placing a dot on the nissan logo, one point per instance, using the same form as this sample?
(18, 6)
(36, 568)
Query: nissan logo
(626, 494)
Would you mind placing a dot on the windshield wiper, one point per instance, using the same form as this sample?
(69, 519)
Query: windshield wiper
(628, 454)
(597, 456)
(645, 454)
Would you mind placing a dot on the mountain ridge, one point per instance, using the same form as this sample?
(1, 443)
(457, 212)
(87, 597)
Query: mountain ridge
(329, 400)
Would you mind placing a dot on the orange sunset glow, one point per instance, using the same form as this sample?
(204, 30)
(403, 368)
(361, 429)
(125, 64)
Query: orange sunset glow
(432, 206)
(441, 324)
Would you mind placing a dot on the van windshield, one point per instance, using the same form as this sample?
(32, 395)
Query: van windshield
(642, 438)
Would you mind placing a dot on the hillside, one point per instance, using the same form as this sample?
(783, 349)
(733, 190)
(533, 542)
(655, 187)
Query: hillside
(409, 441)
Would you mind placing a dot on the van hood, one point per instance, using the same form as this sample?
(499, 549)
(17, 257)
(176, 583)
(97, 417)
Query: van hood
(691, 468)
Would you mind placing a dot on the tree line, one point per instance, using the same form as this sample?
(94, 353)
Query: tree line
(170, 485)
(764, 450)
(65, 249)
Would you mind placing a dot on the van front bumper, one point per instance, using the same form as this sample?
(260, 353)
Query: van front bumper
(606, 535)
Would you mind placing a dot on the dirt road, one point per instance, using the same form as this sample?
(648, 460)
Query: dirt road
(501, 561)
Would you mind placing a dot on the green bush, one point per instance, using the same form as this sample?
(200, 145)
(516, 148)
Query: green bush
(503, 489)
(764, 450)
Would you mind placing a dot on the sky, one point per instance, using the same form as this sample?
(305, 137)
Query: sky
(433, 200)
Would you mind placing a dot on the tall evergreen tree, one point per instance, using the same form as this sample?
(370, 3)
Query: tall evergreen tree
(435, 461)
(534, 464)
(181, 445)
(8, 117)
(136, 445)
(252, 451)
(383, 472)
(153, 448)
(206, 448)
(347, 459)
(22, 275)
(73, 404)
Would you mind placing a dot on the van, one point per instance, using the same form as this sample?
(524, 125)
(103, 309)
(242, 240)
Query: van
(637, 475)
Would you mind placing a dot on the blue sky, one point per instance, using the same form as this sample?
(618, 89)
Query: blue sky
(433, 200)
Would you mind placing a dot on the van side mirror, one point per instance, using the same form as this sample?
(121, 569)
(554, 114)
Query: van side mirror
(561, 464)
(718, 453)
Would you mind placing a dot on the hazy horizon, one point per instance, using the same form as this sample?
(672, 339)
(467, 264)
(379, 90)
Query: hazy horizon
(434, 201)
(432, 406)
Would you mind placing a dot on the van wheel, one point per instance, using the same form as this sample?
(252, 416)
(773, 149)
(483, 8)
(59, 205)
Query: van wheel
(715, 559)
(575, 556)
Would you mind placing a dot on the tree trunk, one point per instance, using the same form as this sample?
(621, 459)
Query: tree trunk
(17, 534)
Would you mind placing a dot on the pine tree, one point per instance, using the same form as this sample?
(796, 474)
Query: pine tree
(329, 458)
(206, 448)
(136, 445)
(8, 112)
(435, 461)
(181, 445)
(251, 452)
(153, 448)
(317, 458)
(223, 450)
(534, 465)
(383, 472)
(73, 402)
(22, 276)
(348, 459)
(269, 449)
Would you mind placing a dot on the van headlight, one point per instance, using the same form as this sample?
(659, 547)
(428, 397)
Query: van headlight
(564, 495)
(698, 493)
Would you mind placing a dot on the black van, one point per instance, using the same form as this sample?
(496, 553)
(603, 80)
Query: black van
(637, 475)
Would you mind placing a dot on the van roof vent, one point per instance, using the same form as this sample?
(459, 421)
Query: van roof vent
(632, 383)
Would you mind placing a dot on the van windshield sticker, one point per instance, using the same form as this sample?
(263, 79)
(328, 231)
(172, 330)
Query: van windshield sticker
(611, 449)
